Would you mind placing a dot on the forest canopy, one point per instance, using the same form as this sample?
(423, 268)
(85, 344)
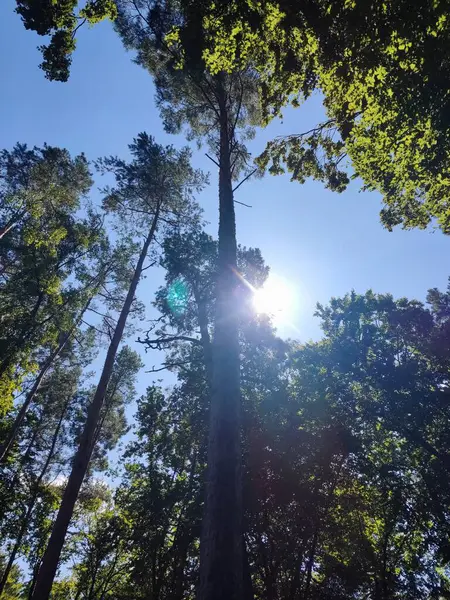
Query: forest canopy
(167, 432)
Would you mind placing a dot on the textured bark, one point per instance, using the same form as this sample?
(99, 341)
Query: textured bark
(221, 541)
(82, 457)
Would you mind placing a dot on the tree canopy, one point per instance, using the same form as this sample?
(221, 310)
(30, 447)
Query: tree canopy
(241, 465)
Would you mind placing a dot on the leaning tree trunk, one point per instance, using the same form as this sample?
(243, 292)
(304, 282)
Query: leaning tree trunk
(14, 430)
(18, 344)
(82, 457)
(221, 541)
(32, 502)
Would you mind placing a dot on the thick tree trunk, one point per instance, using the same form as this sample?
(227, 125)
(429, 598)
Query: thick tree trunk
(31, 503)
(221, 559)
(82, 457)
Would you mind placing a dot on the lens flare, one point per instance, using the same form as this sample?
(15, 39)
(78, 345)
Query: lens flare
(275, 299)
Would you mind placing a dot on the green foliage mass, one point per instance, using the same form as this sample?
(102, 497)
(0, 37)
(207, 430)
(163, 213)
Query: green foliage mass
(345, 453)
(384, 92)
(41, 244)
(61, 20)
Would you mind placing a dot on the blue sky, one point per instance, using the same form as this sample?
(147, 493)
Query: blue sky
(323, 243)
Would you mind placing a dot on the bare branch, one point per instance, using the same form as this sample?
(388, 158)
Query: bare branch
(212, 159)
(157, 343)
(166, 366)
(244, 180)
(243, 204)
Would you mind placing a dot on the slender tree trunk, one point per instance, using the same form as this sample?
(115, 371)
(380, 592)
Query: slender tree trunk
(247, 575)
(33, 580)
(31, 503)
(183, 538)
(93, 582)
(12, 434)
(11, 224)
(24, 458)
(221, 541)
(309, 568)
(36, 568)
(82, 457)
(18, 344)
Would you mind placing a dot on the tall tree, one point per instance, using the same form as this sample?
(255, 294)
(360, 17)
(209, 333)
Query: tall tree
(42, 252)
(339, 502)
(216, 109)
(187, 304)
(64, 386)
(157, 184)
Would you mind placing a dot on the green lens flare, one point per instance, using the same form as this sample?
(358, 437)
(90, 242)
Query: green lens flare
(177, 297)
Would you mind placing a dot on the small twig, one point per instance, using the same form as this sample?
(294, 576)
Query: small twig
(244, 180)
(243, 204)
(92, 327)
(166, 366)
(149, 266)
(214, 161)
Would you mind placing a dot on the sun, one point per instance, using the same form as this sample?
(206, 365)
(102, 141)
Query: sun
(275, 299)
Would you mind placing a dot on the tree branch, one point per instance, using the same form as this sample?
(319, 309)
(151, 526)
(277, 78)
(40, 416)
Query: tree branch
(210, 158)
(243, 181)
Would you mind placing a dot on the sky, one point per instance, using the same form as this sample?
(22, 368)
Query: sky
(324, 244)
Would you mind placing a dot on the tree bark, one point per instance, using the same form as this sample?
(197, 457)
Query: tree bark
(204, 336)
(221, 561)
(82, 457)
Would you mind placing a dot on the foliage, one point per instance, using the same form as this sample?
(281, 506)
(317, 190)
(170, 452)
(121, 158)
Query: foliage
(384, 92)
(43, 249)
(158, 184)
(61, 21)
(340, 500)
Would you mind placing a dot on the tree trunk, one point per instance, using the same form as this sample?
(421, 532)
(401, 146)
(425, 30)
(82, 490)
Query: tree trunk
(204, 336)
(12, 434)
(248, 593)
(221, 541)
(31, 503)
(309, 568)
(18, 344)
(11, 224)
(82, 457)
(23, 460)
